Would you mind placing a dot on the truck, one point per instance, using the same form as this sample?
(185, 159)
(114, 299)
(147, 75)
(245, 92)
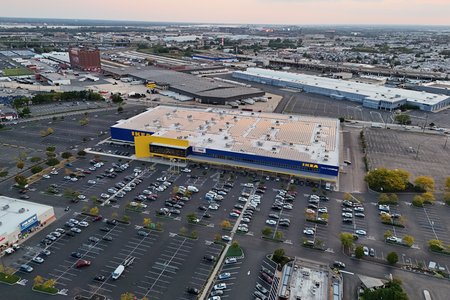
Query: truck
(117, 272)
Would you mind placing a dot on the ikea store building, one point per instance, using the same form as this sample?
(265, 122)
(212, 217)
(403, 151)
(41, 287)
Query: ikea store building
(302, 146)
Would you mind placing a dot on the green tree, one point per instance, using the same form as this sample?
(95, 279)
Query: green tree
(194, 234)
(3, 173)
(403, 119)
(392, 290)
(393, 198)
(385, 218)
(81, 153)
(278, 255)
(125, 218)
(35, 159)
(346, 240)
(386, 180)
(436, 245)
(267, 231)
(278, 235)
(447, 184)
(120, 109)
(51, 148)
(392, 258)
(52, 161)
(116, 98)
(49, 283)
(21, 180)
(446, 196)
(191, 217)
(127, 296)
(425, 183)
(383, 198)
(114, 215)
(217, 237)
(408, 240)
(94, 211)
(359, 251)
(428, 197)
(36, 169)
(183, 230)
(26, 111)
(66, 155)
(234, 245)
(20, 164)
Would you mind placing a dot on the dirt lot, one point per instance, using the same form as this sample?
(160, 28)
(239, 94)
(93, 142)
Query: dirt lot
(418, 153)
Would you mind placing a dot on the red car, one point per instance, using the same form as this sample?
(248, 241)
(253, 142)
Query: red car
(82, 263)
(237, 211)
(87, 172)
(97, 218)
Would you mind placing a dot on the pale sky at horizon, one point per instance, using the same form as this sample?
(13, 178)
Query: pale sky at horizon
(415, 12)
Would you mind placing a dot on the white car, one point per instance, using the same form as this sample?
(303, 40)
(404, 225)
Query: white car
(67, 177)
(137, 204)
(347, 215)
(230, 260)
(92, 181)
(54, 172)
(220, 286)
(226, 238)
(55, 234)
(104, 196)
(186, 170)
(271, 222)
(75, 229)
(83, 224)
(242, 199)
(81, 197)
(213, 207)
(234, 215)
(242, 229)
(46, 176)
(38, 259)
(73, 179)
(309, 231)
(366, 251)
(359, 208)
(360, 232)
(288, 206)
(323, 210)
(250, 185)
(73, 221)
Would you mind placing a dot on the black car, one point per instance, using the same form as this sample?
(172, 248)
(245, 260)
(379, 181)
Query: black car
(347, 220)
(339, 265)
(105, 229)
(76, 254)
(111, 222)
(202, 207)
(99, 278)
(206, 215)
(209, 257)
(70, 233)
(193, 291)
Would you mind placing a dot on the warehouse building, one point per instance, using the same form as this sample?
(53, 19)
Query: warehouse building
(204, 90)
(292, 145)
(19, 218)
(370, 96)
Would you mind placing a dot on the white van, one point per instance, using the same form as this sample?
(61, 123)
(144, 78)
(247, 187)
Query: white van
(193, 189)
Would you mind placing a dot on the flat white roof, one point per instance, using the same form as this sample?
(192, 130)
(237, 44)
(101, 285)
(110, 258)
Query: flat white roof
(293, 137)
(374, 92)
(11, 213)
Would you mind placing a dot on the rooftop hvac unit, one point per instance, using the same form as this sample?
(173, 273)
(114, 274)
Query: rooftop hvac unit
(1, 223)
(220, 129)
(189, 116)
(273, 128)
(291, 144)
(21, 210)
(316, 141)
(277, 122)
(274, 149)
(225, 137)
(325, 159)
(210, 140)
(5, 207)
(177, 124)
(259, 143)
(228, 123)
(290, 117)
(228, 145)
(306, 149)
(319, 125)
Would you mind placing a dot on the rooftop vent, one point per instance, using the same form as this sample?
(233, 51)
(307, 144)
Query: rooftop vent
(5, 207)
(21, 210)
(259, 143)
(225, 137)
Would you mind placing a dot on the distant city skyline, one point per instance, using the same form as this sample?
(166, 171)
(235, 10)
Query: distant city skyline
(396, 12)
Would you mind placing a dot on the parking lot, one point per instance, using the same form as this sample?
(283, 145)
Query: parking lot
(419, 154)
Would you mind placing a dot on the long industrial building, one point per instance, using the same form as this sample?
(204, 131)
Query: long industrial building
(370, 96)
(285, 144)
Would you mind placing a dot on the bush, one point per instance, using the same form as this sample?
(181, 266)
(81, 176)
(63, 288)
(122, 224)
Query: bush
(3, 173)
(392, 258)
(428, 198)
(447, 198)
(386, 180)
(52, 161)
(436, 245)
(51, 148)
(36, 169)
(66, 155)
(408, 240)
(81, 153)
(35, 159)
(391, 199)
(418, 201)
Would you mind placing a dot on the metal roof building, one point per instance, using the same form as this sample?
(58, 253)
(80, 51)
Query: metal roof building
(371, 96)
(205, 90)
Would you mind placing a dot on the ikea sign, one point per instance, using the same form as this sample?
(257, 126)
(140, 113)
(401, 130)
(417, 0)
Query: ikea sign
(312, 166)
(31, 221)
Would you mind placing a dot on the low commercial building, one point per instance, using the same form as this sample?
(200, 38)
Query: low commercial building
(300, 146)
(18, 218)
(370, 96)
(54, 79)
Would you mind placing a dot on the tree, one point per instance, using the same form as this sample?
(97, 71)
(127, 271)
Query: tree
(125, 218)
(114, 215)
(38, 280)
(428, 197)
(385, 218)
(36, 169)
(52, 161)
(278, 255)
(447, 184)
(158, 225)
(94, 211)
(391, 290)
(20, 164)
(388, 233)
(383, 198)
(234, 245)
(183, 230)
(278, 235)
(94, 199)
(408, 240)
(393, 198)
(392, 258)
(3, 173)
(425, 183)
(225, 224)
(47, 132)
(49, 283)
(192, 217)
(26, 111)
(446, 196)
(51, 148)
(267, 231)
(359, 251)
(66, 155)
(35, 159)
(116, 98)
(217, 237)
(346, 240)
(418, 201)
(120, 109)
(402, 119)
(21, 180)
(127, 296)
(194, 234)
(386, 180)
(436, 245)
(146, 222)
(81, 153)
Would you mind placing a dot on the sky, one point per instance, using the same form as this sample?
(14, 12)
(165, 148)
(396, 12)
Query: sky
(414, 12)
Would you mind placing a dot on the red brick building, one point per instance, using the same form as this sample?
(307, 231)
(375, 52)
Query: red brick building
(85, 59)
